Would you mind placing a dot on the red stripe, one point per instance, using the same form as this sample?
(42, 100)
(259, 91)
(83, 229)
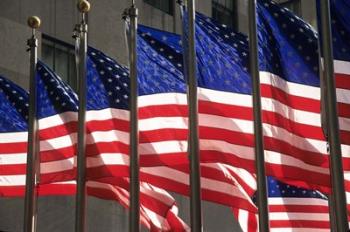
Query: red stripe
(43, 190)
(13, 148)
(298, 208)
(342, 80)
(299, 224)
(295, 102)
(169, 110)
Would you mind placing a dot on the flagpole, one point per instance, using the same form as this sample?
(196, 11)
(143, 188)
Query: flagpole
(262, 197)
(336, 166)
(134, 213)
(32, 173)
(193, 145)
(80, 208)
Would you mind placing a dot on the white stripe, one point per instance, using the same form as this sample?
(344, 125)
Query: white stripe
(7, 159)
(297, 201)
(106, 114)
(299, 216)
(162, 99)
(107, 159)
(57, 166)
(12, 180)
(155, 123)
(57, 120)
(243, 219)
(225, 97)
(343, 96)
(13, 137)
(342, 66)
(291, 88)
(293, 229)
(162, 147)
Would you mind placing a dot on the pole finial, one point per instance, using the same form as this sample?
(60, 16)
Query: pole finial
(34, 22)
(84, 6)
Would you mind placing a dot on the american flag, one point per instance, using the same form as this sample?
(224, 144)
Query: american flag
(13, 136)
(158, 208)
(340, 15)
(163, 127)
(295, 147)
(290, 209)
(13, 143)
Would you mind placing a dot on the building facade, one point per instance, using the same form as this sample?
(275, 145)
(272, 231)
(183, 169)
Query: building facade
(106, 33)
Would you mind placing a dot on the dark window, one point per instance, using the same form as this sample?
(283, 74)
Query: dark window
(293, 5)
(225, 12)
(164, 5)
(59, 56)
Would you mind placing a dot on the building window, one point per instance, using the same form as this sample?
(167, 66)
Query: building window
(164, 5)
(60, 57)
(293, 5)
(225, 12)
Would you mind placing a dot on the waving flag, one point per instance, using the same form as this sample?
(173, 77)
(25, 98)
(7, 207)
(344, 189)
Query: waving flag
(290, 209)
(341, 48)
(57, 118)
(162, 123)
(13, 144)
(295, 147)
(13, 133)
(159, 211)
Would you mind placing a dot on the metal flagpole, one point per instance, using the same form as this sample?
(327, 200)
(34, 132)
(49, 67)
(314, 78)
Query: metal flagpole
(262, 197)
(336, 166)
(32, 173)
(80, 210)
(193, 144)
(134, 213)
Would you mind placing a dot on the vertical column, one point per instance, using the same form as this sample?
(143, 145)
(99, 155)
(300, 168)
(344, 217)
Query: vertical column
(80, 208)
(193, 143)
(32, 173)
(262, 197)
(336, 167)
(134, 216)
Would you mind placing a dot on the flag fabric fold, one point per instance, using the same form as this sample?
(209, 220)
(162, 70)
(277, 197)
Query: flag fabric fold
(57, 104)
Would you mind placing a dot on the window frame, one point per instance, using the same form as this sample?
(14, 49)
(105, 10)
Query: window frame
(233, 12)
(296, 9)
(158, 5)
(67, 48)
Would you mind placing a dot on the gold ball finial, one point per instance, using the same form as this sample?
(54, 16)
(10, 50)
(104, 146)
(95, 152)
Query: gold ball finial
(34, 22)
(84, 6)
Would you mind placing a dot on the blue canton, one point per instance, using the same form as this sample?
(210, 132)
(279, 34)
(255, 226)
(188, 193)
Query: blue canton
(340, 13)
(53, 95)
(13, 107)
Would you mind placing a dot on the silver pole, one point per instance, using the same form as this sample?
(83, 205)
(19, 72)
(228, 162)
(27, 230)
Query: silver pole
(32, 173)
(336, 166)
(262, 197)
(80, 213)
(193, 143)
(134, 213)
